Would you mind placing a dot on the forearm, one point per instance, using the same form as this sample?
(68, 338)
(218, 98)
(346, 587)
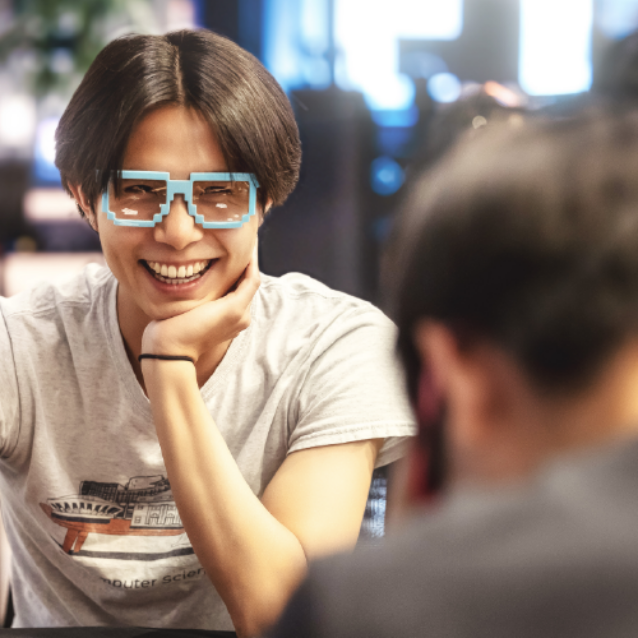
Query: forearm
(253, 560)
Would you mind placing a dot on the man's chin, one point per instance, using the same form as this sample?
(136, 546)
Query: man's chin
(176, 308)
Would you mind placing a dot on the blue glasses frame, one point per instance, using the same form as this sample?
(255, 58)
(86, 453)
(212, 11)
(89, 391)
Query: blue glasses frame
(184, 187)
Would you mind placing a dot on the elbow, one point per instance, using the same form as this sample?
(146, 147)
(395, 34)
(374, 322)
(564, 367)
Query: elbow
(256, 605)
(254, 625)
(254, 619)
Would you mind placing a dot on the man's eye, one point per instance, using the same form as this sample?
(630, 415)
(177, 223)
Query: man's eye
(143, 189)
(215, 191)
(138, 188)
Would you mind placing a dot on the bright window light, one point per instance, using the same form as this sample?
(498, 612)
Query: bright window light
(367, 35)
(555, 46)
(46, 139)
(17, 120)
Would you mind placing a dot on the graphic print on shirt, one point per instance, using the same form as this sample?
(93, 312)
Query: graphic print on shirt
(112, 513)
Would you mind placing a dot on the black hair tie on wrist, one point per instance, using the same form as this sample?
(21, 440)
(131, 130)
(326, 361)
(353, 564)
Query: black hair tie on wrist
(166, 357)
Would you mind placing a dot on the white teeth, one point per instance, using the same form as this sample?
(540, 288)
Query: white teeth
(177, 274)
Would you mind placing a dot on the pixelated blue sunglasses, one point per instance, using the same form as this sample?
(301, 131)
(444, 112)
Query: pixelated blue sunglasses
(215, 200)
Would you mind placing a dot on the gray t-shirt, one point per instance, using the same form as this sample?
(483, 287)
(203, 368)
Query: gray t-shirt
(96, 536)
(554, 556)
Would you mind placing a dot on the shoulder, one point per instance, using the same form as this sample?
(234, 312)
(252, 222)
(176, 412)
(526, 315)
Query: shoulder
(85, 289)
(562, 545)
(49, 313)
(295, 297)
(338, 354)
(322, 327)
(297, 287)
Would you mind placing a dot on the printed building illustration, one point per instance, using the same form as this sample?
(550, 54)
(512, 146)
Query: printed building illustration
(142, 507)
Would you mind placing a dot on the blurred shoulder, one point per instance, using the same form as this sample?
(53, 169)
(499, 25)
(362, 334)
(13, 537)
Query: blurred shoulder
(560, 542)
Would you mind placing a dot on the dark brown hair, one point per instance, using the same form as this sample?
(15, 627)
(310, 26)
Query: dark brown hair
(246, 108)
(527, 237)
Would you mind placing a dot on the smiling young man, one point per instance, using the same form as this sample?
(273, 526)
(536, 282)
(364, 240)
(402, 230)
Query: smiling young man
(178, 433)
(153, 265)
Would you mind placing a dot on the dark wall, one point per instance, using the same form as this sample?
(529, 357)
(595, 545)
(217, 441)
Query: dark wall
(321, 229)
(239, 20)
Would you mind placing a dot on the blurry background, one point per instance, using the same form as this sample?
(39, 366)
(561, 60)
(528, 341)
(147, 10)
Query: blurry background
(365, 77)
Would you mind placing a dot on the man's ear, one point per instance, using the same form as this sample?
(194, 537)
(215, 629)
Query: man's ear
(85, 204)
(460, 376)
(267, 207)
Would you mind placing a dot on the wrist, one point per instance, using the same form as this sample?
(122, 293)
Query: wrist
(166, 374)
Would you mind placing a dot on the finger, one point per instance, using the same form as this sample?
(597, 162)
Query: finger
(247, 287)
(250, 280)
(238, 299)
(252, 269)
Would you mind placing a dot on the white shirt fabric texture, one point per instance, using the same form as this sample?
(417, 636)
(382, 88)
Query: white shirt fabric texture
(96, 537)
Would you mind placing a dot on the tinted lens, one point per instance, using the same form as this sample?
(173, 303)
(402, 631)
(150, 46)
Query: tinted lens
(221, 201)
(137, 199)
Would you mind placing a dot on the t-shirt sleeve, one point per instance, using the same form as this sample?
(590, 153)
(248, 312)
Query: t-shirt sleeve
(354, 389)
(9, 399)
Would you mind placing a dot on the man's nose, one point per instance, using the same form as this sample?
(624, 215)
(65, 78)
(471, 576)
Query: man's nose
(178, 228)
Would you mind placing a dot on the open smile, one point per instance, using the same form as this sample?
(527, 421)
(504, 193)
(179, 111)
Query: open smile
(175, 275)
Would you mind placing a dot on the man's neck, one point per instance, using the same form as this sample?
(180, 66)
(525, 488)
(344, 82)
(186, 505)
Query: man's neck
(538, 427)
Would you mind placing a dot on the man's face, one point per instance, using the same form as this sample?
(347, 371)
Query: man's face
(177, 140)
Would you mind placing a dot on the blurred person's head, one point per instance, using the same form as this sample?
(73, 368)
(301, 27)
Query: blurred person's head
(616, 73)
(515, 273)
(483, 105)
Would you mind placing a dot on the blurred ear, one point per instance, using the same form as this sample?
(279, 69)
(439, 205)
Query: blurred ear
(84, 204)
(463, 379)
(492, 413)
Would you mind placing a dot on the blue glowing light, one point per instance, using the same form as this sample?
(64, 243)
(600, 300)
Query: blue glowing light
(617, 18)
(44, 156)
(444, 87)
(386, 176)
(403, 118)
